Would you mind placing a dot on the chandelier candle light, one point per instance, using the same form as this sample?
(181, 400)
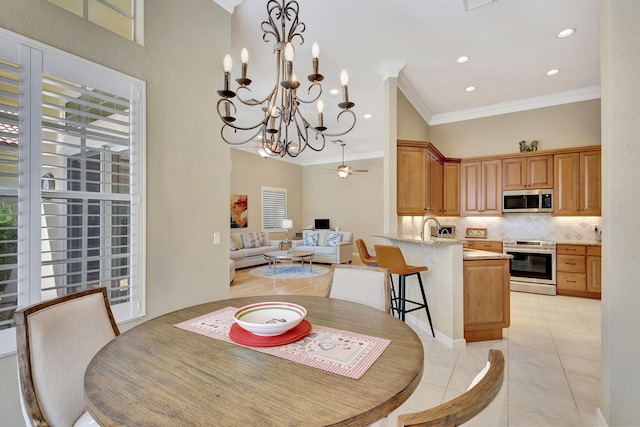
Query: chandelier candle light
(283, 130)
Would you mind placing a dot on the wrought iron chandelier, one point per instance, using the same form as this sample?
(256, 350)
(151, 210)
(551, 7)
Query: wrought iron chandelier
(282, 130)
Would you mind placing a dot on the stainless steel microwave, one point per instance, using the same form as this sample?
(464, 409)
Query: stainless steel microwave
(527, 200)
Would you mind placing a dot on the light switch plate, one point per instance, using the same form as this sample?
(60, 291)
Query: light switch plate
(216, 238)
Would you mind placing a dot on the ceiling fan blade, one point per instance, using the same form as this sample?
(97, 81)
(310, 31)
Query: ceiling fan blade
(359, 170)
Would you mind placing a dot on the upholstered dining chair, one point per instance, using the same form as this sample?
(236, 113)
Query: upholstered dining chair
(362, 284)
(56, 341)
(365, 256)
(480, 405)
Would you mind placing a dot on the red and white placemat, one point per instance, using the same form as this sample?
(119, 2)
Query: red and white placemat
(333, 350)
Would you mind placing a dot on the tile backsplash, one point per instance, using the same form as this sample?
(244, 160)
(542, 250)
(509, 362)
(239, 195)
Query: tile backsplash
(539, 226)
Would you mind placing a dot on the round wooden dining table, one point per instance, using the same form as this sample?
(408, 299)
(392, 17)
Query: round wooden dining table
(158, 375)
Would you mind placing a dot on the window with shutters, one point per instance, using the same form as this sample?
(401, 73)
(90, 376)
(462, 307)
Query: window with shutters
(71, 181)
(274, 208)
(123, 17)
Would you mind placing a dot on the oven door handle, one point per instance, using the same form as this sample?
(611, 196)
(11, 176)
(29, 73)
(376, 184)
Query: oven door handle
(529, 251)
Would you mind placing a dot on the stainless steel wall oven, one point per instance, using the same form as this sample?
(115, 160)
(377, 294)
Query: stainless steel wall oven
(533, 266)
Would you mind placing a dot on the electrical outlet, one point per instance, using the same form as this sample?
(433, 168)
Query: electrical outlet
(216, 238)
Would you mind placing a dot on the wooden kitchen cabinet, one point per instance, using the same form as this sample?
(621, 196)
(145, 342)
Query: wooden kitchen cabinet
(486, 299)
(577, 184)
(594, 269)
(412, 180)
(481, 187)
(434, 184)
(527, 173)
(578, 270)
(420, 179)
(451, 189)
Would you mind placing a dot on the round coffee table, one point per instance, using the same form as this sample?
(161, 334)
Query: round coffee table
(274, 256)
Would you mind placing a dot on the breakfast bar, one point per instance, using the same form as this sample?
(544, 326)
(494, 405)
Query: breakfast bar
(448, 288)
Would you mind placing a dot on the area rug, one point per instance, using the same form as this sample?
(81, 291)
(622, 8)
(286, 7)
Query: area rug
(289, 271)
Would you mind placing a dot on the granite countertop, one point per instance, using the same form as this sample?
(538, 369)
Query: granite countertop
(418, 240)
(579, 242)
(476, 254)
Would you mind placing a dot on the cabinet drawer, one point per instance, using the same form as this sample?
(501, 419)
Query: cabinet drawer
(594, 250)
(488, 246)
(571, 250)
(571, 263)
(572, 281)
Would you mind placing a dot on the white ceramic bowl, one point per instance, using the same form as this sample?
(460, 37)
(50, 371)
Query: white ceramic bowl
(269, 318)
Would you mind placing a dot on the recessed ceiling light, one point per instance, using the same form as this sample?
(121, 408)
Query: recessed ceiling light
(470, 89)
(462, 59)
(334, 91)
(553, 72)
(566, 33)
(367, 116)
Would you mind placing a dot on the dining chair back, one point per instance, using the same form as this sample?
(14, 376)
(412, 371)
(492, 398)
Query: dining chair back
(56, 340)
(480, 405)
(365, 256)
(362, 284)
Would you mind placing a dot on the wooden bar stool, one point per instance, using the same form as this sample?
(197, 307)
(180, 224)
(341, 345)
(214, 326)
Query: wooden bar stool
(391, 257)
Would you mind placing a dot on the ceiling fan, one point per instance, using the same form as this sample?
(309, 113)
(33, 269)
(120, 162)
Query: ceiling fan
(344, 170)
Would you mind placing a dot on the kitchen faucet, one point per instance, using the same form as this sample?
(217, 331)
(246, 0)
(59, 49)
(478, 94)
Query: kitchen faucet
(425, 223)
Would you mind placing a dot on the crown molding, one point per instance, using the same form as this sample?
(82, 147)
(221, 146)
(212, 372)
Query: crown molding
(228, 5)
(410, 93)
(391, 69)
(560, 98)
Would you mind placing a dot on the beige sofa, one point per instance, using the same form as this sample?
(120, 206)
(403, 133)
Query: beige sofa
(328, 247)
(247, 249)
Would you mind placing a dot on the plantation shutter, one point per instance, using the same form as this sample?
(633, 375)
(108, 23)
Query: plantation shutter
(274, 208)
(9, 168)
(87, 198)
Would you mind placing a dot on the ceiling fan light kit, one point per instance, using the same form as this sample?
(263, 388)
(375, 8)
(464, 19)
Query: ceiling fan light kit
(344, 170)
(283, 129)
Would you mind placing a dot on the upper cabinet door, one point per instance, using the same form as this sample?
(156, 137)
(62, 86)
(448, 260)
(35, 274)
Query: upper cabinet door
(539, 172)
(412, 181)
(590, 185)
(566, 193)
(492, 187)
(451, 196)
(578, 187)
(514, 174)
(471, 188)
(527, 173)
(481, 188)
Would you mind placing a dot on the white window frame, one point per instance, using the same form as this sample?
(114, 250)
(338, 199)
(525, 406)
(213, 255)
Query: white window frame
(136, 17)
(277, 225)
(36, 58)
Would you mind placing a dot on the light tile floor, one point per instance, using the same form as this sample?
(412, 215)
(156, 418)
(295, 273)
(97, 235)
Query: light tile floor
(552, 354)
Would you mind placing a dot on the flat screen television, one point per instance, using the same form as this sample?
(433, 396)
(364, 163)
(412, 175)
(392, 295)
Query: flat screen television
(321, 224)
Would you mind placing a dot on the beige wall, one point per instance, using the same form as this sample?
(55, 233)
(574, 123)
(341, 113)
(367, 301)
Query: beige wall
(250, 172)
(187, 164)
(411, 125)
(353, 203)
(569, 125)
(620, 69)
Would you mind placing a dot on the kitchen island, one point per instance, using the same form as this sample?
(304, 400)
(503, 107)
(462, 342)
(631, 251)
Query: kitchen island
(445, 287)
